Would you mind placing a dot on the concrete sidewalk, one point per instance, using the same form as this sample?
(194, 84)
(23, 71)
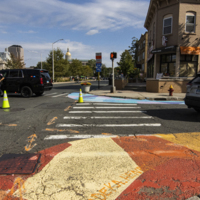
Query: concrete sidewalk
(137, 91)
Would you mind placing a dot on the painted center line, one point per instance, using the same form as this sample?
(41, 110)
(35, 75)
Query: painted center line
(105, 125)
(79, 117)
(60, 95)
(104, 107)
(58, 137)
(107, 111)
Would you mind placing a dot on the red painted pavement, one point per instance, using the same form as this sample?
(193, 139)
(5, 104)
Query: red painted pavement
(170, 171)
(7, 181)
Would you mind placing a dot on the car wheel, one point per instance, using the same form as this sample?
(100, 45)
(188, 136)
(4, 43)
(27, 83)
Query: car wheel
(197, 109)
(39, 93)
(26, 92)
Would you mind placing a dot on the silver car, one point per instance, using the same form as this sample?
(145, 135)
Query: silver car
(192, 98)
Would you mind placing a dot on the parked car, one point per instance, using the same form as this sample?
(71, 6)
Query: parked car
(26, 81)
(192, 98)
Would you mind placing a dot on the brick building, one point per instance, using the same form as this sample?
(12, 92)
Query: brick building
(173, 39)
(142, 52)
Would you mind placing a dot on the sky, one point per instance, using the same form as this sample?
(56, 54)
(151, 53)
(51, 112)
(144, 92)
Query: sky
(87, 27)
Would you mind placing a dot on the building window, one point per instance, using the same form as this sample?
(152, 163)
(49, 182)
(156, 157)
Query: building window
(142, 66)
(167, 25)
(190, 22)
(168, 65)
(143, 55)
(138, 58)
(143, 43)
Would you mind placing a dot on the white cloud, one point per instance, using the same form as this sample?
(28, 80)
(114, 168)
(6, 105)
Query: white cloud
(92, 32)
(96, 15)
(4, 32)
(27, 31)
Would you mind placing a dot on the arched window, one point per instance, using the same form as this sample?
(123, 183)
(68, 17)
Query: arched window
(190, 22)
(167, 24)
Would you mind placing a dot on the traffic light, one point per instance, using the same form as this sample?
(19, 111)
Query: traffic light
(113, 55)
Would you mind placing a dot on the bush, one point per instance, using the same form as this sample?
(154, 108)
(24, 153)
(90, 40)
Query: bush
(62, 79)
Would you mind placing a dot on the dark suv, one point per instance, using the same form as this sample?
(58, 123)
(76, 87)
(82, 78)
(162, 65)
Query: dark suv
(26, 81)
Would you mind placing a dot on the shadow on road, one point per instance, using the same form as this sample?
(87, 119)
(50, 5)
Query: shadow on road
(182, 114)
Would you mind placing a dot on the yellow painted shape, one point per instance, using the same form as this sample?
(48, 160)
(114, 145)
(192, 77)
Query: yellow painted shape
(20, 183)
(29, 146)
(106, 133)
(190, 140)
(52, 121)
(8, 124)
(66, 109)
(61, 130)
(97, 167)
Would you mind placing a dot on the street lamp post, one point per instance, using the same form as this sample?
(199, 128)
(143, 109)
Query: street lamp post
(53, 58)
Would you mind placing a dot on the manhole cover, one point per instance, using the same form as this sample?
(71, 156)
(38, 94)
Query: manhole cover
(19, 163)
(16, 109)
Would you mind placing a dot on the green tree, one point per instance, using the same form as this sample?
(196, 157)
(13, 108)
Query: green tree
(126, 63)
(15, 63)
(86, 71)
(92, 64)
(61, 65)
(133, 49)
(76, 68)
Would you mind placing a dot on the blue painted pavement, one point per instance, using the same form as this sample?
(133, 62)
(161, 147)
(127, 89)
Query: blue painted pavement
(94, 98)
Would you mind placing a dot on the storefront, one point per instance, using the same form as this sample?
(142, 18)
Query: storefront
(178, 66)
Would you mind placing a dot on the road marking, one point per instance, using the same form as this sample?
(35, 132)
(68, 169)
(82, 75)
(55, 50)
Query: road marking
(60, 95)
(104, 107)
(106, 104)
(105, 125)
(8, 124)
(29, 146)
(52, 121)
(79, 117)
(66, 109)
(50, 94)
(58, 137)
(60, 130)
(107, 111)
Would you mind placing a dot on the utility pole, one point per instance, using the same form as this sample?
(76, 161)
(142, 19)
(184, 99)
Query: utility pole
(113, 55)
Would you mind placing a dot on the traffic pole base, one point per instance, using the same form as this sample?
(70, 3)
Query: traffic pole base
(113, 89)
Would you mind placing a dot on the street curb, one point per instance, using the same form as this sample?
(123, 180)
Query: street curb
(147, 98)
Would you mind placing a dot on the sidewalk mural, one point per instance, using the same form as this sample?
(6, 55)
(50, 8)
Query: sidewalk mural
(162, 166)
(105, 99)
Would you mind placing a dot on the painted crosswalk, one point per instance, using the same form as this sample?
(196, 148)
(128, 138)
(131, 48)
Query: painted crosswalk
(95, 119)
(55, 94)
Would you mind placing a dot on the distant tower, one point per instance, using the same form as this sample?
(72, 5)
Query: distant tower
(17, 51)
(68, 55)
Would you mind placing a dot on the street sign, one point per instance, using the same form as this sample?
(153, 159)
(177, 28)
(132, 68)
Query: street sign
(98, 58)
(98, 67)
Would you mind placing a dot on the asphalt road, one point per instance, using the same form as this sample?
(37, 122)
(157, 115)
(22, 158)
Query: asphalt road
(40, 117)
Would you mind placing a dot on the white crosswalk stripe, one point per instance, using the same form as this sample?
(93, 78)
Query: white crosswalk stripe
(104, 107)
(50, 94)
(111, 116)
(60, 95)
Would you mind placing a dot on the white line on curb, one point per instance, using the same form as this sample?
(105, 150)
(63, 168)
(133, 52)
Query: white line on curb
(79, 117)
(105, 125)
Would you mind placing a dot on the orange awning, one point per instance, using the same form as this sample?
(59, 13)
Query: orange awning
(190, 50)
